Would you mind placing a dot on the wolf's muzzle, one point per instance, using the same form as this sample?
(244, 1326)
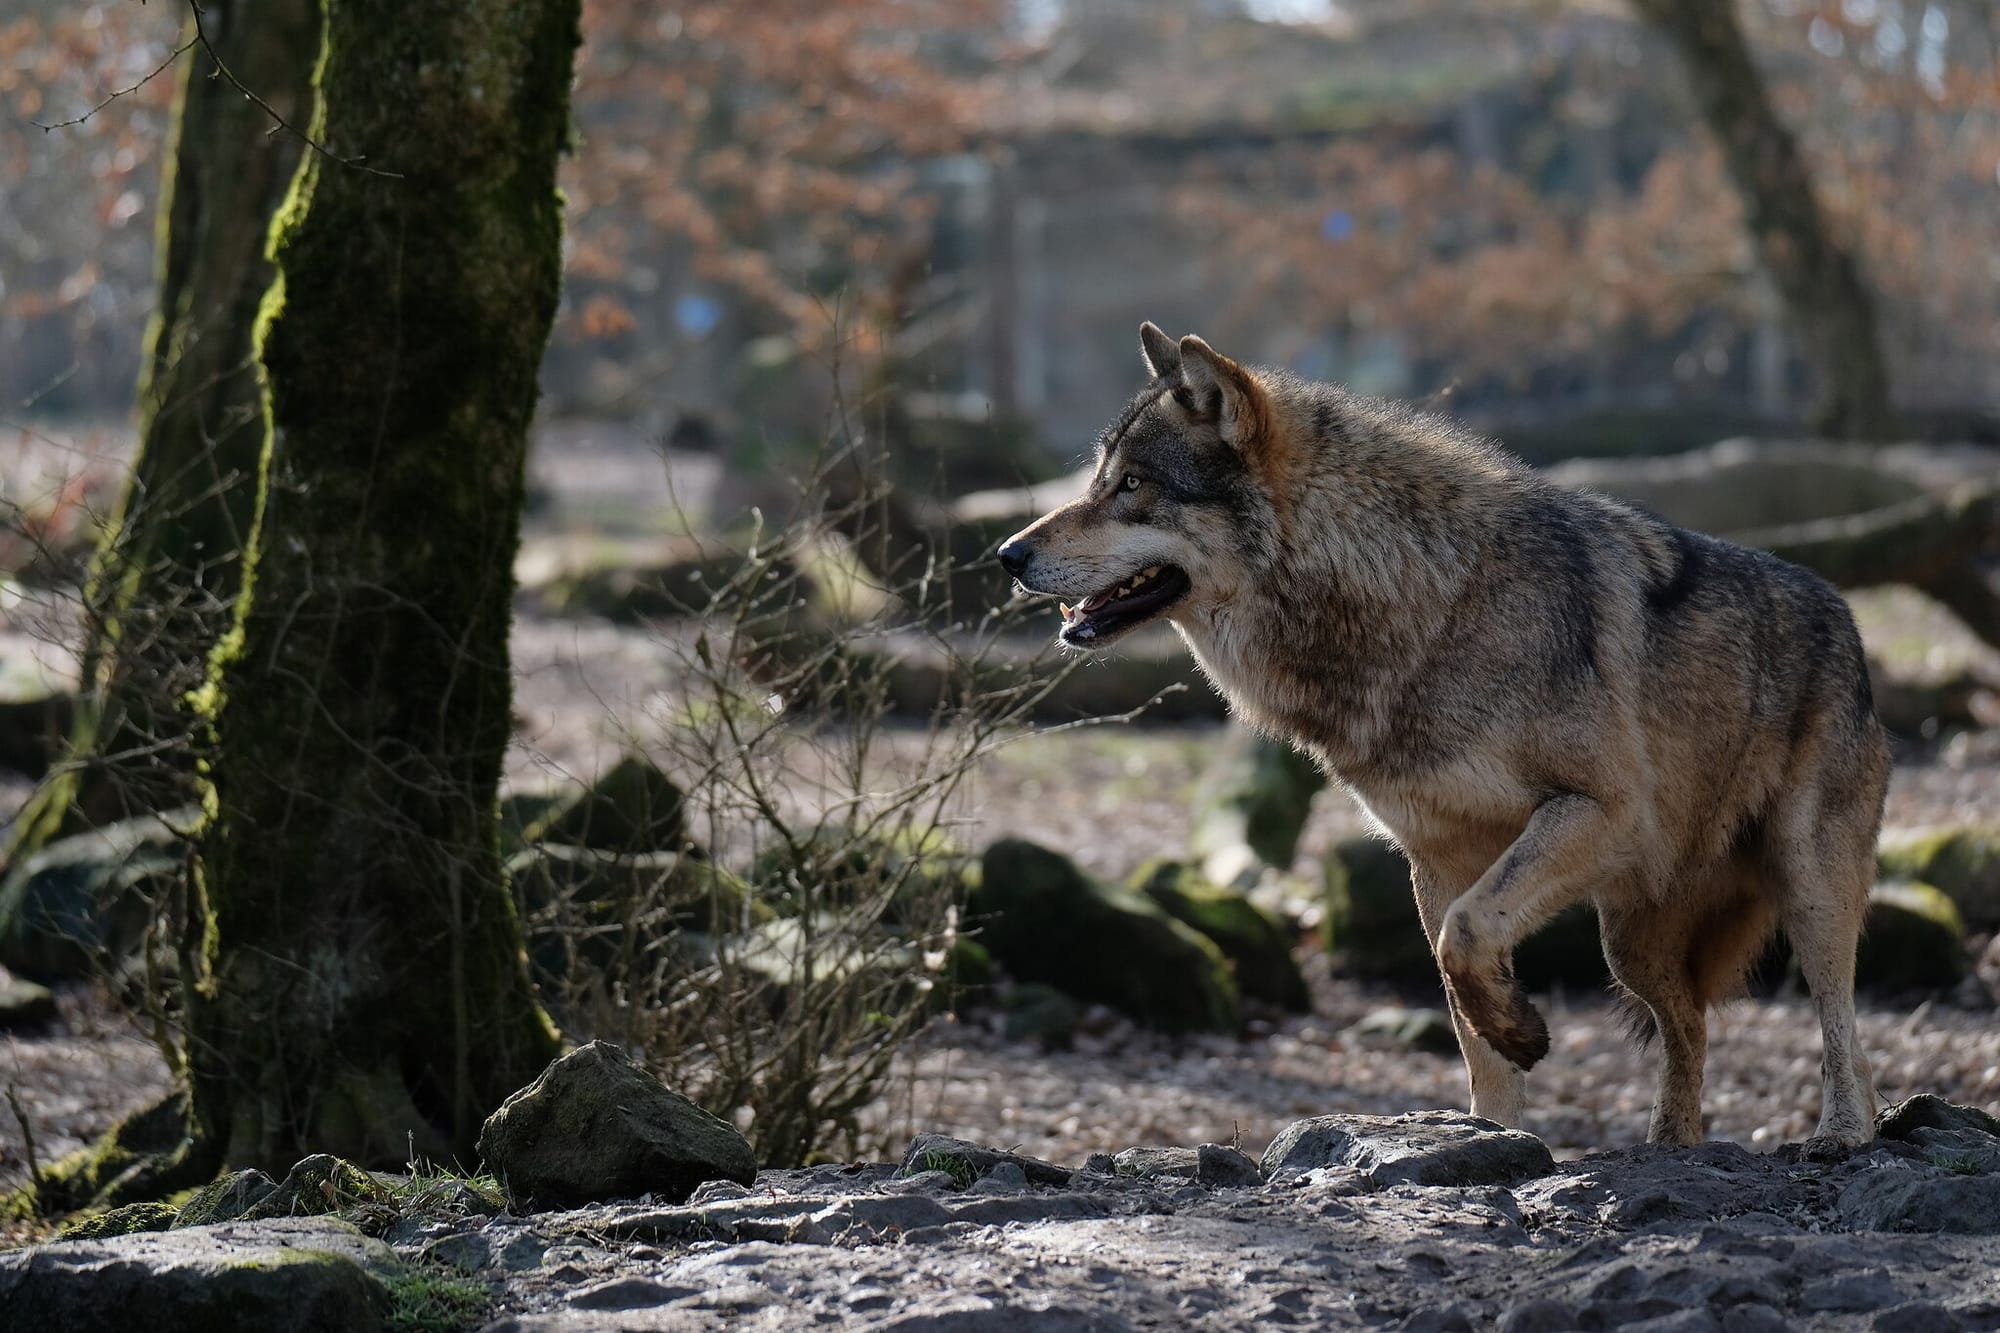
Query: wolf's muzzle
(1014, 555)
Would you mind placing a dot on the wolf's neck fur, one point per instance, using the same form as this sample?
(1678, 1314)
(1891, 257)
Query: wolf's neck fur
(1382, 519)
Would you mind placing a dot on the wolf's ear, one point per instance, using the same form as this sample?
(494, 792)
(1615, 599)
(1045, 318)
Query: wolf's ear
(1214, 388)
(1163, 354)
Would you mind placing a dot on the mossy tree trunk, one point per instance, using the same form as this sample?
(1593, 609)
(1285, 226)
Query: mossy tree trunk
(165, 577)
(1832, 312)
(362, 983)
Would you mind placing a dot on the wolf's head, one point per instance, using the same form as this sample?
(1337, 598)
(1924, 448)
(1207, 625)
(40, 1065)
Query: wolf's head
(1179, 512)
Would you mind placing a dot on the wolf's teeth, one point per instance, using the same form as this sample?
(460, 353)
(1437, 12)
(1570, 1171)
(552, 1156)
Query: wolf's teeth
(1150, 571)
(1065, 609)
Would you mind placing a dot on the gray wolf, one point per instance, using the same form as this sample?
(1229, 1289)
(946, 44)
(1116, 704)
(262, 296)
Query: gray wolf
(1543, 696)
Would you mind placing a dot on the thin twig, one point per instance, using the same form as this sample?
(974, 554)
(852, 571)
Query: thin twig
(27, 1137)
(222, 68)
(157, 71)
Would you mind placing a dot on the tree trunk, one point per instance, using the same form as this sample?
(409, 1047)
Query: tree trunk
(362, 985)
(1831, 310)
(165, 577)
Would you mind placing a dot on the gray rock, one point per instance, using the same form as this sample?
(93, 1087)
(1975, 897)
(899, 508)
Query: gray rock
(1047, 921)
(1927, 1110)
(79, 905)
(1422, 1148)
(1538, 1315)
(226, 1199)
(1917, 1317)
(1898, 1196)
(596, 1126)
(966, 1162)
(304, 1275)
(1221, 1166)
(1912, 939)
(1143, 1163)
(1849, 1292)
(632, 807)
(1414, 1029)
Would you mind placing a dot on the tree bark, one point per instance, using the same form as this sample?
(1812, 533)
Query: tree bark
(1832, 313)
(165, 577)
(362, 985)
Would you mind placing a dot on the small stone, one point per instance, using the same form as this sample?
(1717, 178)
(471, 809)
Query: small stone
(226, 1199)
(1220, 1166)
(1917, 1317)
(1849, 1291)
(966, 1162)
(1753, 1319)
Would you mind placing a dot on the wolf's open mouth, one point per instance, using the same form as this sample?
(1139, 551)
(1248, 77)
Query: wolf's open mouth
(1136, 600)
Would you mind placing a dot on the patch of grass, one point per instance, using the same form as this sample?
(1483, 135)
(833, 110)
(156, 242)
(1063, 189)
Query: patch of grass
(957, 1168)
(1958, 1163)
(425, 1301)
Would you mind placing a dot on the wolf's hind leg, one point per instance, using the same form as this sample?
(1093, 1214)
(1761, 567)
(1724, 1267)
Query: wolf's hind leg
(1571, 846)
(1825, 875)
(1499, 1088)
(1649, 957)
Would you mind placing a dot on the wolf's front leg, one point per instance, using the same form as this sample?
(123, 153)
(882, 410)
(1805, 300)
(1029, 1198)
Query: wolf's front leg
(1572, 844)
(1499, 1088)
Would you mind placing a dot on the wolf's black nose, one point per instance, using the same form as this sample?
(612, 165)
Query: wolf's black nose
(1014, 555)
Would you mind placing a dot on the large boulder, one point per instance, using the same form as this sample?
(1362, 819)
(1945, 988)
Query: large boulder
(1913, 940)
(1257, 943)
(1252, 807)
(1371, 922)
(305, 1275)
(1045, 920)
(81, 904)
(1963, 860)
(632, 807)
(596, 1126)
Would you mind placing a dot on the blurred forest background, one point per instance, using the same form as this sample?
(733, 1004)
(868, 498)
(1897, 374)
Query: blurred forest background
(847, 291)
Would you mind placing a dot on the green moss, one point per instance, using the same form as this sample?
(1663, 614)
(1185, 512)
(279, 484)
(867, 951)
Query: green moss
(1046, 921)
(1961, 860)
(1257, 944)
(150, 1153)
(429, 1301)
(121, 1221)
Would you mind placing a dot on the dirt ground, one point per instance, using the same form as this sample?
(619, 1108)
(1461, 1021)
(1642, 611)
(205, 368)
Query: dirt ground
(1111, 797)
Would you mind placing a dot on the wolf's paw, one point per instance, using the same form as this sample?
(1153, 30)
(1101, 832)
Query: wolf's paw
(1503, 1017)
(1830, 1147)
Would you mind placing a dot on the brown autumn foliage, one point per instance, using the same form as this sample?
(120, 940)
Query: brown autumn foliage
(778, 153)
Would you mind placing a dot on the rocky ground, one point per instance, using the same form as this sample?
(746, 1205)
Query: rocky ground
(1427, 1222)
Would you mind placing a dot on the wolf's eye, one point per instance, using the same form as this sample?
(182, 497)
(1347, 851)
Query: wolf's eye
(1129, 483)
